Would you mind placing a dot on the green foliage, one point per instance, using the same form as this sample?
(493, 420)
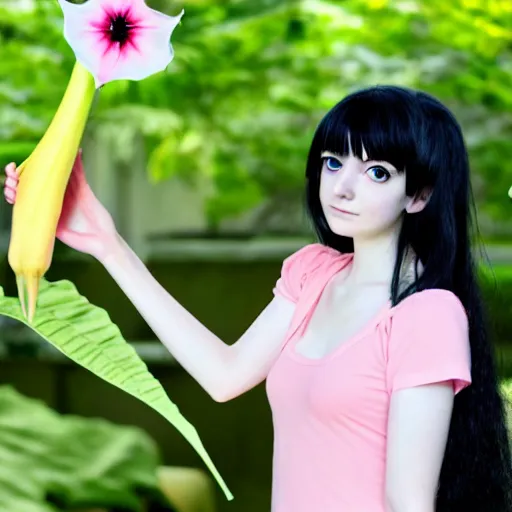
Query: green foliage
(497, 292)
(251, 80)
(53, 463)
(85, 334)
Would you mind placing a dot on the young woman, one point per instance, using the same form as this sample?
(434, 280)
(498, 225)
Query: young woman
(379, 370)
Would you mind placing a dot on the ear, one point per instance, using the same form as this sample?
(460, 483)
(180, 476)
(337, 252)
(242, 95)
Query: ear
(419, 201)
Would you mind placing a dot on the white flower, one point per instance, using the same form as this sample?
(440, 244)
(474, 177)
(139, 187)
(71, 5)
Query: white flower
(119, 39)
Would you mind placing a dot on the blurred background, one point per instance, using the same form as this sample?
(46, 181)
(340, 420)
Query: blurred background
(202, 168)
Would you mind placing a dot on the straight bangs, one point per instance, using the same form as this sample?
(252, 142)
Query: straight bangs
(387, 128)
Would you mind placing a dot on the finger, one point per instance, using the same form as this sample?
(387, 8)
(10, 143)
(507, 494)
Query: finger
(11, 183)
(11, 171)
(11, 166)
(10, 196)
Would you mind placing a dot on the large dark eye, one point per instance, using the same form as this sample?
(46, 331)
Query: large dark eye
(332, 164)
(379, 174)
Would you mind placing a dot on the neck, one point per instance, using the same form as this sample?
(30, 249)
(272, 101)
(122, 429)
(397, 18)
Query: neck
(374, 261)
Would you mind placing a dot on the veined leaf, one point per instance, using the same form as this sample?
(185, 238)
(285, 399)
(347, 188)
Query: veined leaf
(85, 334)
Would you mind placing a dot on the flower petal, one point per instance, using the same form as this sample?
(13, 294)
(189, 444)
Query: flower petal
(139, 50)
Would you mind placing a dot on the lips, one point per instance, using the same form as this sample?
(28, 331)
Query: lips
(340, 210)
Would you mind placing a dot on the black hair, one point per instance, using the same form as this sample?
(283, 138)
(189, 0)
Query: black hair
(415, 132)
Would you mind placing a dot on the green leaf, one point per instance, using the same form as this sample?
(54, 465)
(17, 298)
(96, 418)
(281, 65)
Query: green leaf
(85, 334)
(113, 466)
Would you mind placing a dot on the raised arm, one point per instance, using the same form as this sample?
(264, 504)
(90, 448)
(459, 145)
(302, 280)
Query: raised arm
(224, 371)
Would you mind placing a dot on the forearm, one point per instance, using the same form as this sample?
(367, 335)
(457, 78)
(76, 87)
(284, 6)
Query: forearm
(197, 350)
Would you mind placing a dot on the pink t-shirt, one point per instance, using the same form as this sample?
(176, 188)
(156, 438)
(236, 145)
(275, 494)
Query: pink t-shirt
(330, 415)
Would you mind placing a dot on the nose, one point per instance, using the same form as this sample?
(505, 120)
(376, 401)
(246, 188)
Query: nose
(344, 186)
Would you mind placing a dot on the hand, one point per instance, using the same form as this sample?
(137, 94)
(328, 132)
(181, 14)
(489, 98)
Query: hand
(84, 223)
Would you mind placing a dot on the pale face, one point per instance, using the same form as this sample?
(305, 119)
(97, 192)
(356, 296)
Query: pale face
(372, 195)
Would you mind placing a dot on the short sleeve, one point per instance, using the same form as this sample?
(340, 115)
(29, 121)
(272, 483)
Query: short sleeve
(429, 342)
(298, 267)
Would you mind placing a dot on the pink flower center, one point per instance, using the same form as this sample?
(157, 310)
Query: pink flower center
(118, 27)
